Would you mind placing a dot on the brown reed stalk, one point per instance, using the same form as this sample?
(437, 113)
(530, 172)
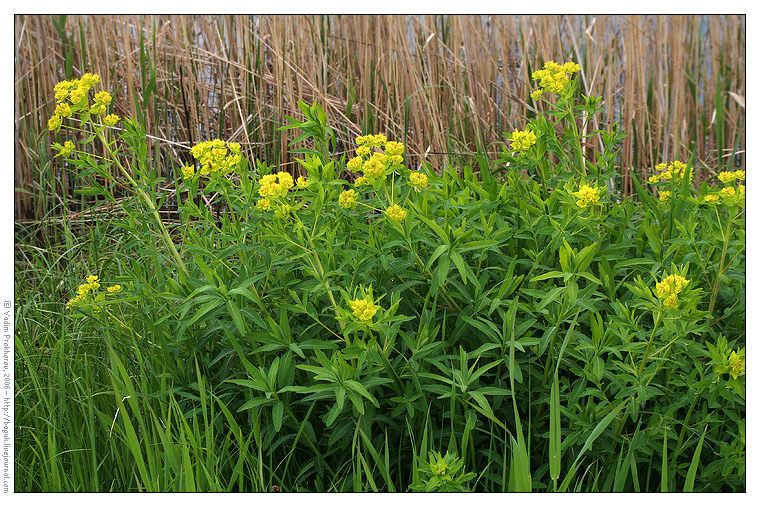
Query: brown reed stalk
(437, 82)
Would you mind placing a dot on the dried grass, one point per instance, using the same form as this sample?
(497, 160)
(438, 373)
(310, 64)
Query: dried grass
(436, 82)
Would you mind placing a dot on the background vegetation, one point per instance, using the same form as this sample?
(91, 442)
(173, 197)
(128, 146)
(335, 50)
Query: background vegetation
(675, 84)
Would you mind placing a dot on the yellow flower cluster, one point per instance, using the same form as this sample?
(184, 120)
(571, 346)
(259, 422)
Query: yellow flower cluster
(264, 204)
(276, 185)
(737, 364)
(553, 77)
(396, 212)
(664, 195)
(674, 172)
(86, 294)
(72, 97)
(729, 176)
(522, 140)
(418, 180)
(215, 156)
(372, 140)
(729, 195)
(111, 120)
(188, 171)
(374, 164)
(364, 309)
(302, 182)
(65, 149)
(669, 288)
(347, 198)
(586, 195)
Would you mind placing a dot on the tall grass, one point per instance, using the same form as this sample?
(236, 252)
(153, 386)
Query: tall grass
(448, 83)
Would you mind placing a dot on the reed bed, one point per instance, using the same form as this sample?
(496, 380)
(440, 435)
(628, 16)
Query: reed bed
(445, 85)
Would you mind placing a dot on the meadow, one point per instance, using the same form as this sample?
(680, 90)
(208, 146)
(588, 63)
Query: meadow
(380, 254)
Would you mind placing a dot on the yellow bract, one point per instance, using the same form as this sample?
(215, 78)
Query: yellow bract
(587, 195)
(522, 140)
(396, 212)
(674, 172)
(554, 77)
(418, 180)
(737, 364)
(347, 199)
(669, 288)
(364, 309)
(216, 156)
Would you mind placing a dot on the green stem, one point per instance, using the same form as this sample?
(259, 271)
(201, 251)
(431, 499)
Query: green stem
(716, 285)
(649, 344)
(148, 202)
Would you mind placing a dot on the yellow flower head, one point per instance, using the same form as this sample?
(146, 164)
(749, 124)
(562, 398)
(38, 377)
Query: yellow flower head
(728, 192)
(669, 287)
(264, 204)
(553, 77)
(347, 198)
(286, 180)
(371, 140)
(671, 302)
(394, 148)
(362, 151)
(90, 79)
(302, 182)
(188, 171)
(536, 94)
(355, 164)
(111, 120)
(736, 364)
(55, 123)
(103, 98)
(726, 176)
(364, 309)
(522, 140)
(374, 168)
(711, 198)
(740, 175)
(396, 212)
(361, 180)
(216, 156)
(418, 180)
(664, 195)
(674, 171)
(114, 289)
(67, 149)
(587, 195)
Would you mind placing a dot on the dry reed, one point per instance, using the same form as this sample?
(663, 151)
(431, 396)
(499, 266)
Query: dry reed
(437, 82)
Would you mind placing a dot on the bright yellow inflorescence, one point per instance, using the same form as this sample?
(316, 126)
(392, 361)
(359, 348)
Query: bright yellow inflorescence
(396, 212)
(347, 198)
(375, 163)
(553, 77)
(111, 120)
(672, 172)
(418, 180)
(216, 156)
(364, 309)
(736, 364)
(72, 98)
(669, 288)
(522, 140)
(86, 294)
(586, 195)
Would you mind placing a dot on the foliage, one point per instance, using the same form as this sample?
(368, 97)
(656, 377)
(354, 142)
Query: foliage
(524, 331)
